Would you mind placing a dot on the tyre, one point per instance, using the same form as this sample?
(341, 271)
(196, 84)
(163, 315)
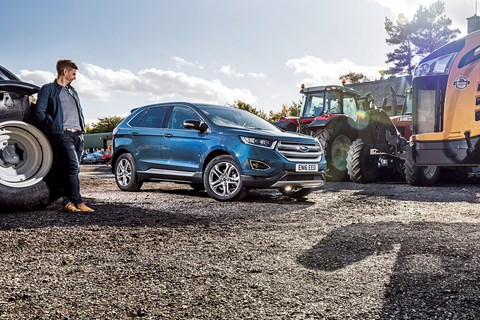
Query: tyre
(222, 179)
(336, 144)
(296, 193)
(126, 173)
(25, 160)
(361, 166)
(421, 176)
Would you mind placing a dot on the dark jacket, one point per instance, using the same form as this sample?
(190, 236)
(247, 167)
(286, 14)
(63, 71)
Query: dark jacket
(47, 113)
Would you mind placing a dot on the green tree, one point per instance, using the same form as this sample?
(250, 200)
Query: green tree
(354, 77)
(429, 30)
(432, 28)
(292, 110)
(399, 35)
(245, 106)
(106, 124)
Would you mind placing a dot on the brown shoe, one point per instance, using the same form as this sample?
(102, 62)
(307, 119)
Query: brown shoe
(70, 207)
(84, 208)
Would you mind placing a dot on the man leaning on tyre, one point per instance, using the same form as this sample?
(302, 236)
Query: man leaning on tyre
(59, 115)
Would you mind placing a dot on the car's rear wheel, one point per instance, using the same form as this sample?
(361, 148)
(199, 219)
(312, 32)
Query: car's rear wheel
(25, 160)
(296, 192)
(126, 173)
(222, 179)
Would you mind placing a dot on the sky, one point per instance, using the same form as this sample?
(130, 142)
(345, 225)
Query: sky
(134, 53)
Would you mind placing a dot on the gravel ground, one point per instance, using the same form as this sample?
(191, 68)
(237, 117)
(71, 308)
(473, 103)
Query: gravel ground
(377, 251)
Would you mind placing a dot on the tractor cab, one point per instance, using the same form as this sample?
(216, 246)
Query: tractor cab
(323, 103)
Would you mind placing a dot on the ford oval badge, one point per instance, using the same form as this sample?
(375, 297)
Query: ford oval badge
(304, 148)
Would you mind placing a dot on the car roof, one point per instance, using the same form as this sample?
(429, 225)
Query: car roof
(192, 104)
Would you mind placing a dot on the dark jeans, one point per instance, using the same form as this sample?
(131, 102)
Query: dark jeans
(67, 150)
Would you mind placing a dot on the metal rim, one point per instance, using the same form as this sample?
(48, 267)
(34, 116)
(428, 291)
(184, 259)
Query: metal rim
(340, 146)
(224, 179)
(123, 173)
(35, 150)
(430, 171)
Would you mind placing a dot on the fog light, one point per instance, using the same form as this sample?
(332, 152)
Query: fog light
(288, 188)
(258, 165)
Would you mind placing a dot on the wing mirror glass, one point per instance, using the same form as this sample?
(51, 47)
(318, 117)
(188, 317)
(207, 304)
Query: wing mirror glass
(196, 125)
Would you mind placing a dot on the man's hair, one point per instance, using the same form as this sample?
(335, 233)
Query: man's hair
(63, 64)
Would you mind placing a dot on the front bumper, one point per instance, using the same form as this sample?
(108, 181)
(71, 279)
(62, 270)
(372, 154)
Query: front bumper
(286, 179)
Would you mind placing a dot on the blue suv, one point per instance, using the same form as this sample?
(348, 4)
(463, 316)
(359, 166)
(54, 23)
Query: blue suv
(223, 150)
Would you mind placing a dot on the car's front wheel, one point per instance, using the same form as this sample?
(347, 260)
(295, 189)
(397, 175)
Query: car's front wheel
(222, 179)
(126, 173)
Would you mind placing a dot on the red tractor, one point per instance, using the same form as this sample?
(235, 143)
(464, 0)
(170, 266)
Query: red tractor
(330, 113)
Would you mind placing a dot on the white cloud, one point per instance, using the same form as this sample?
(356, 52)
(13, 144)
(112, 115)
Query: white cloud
(257, 75)
(101, 84)
(407, 7)
(320, 72)
(231, 72)
(36, 77)
(180, 62)
(159, 83)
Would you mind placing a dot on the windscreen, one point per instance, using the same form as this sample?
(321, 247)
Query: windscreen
(332, 102)
(428, 103)
(237, 118)
(313, 105)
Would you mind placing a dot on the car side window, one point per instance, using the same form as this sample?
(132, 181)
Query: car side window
(179, 115)
(153, 118)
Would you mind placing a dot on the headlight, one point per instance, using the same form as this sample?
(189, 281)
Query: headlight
(440, 65)
(259, 142)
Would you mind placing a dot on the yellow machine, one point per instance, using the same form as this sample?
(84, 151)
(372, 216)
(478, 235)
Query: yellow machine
(446, 116)
(446, 100)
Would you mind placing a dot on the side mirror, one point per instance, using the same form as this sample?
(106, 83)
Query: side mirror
(196, 125)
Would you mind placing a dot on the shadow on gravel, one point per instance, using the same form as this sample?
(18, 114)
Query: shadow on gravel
(401, 191)
(196, 211)
(259, 196)
(436, 273)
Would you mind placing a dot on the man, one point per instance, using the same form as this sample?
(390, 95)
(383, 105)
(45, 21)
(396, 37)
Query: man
(59, 115)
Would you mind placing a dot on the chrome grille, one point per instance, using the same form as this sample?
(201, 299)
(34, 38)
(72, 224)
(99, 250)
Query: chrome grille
(300, 152)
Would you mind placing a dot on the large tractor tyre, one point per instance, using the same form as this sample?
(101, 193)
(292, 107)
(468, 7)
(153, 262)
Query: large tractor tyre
(361, 166)
(400, 169)
(421, 175)
(336, 144)
(25, 160)
(222, 179)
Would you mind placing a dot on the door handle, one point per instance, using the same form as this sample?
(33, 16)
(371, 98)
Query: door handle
(134, 133)
(168, 135)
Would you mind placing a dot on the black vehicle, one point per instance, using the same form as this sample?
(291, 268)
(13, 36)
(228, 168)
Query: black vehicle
(25, 153)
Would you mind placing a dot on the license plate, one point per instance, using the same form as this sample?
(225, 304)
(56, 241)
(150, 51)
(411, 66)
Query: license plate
(306, 167)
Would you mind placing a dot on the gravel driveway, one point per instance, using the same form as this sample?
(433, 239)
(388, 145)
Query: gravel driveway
(350, 251)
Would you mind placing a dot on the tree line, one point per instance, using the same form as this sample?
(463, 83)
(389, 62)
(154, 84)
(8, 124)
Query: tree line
(411, 40)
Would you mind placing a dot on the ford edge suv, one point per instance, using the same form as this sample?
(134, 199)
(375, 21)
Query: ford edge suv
(221, 149)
